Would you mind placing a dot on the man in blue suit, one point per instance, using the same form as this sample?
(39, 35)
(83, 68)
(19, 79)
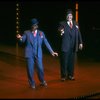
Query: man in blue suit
(70, 42)
(33, 40)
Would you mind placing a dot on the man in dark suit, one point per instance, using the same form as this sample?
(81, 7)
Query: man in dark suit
(34, 39)
(70, 42)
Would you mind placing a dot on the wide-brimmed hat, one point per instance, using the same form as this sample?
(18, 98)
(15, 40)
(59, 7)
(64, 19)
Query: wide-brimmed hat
(34, 21)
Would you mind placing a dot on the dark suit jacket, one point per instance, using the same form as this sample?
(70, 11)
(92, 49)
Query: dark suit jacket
(65, 45)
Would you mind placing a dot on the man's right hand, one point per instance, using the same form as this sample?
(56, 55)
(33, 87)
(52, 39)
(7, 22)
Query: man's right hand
(62, 31)
(18, 36)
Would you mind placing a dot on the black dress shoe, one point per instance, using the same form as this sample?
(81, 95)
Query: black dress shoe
(63, 79)
(71, 78)
(43, 84)
(32, 86)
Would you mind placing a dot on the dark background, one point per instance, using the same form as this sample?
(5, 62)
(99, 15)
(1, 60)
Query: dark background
(49, 14)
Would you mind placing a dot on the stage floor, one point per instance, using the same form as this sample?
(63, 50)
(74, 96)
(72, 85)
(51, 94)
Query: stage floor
(13, 79)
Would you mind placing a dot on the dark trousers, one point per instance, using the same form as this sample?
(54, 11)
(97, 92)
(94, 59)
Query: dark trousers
(67, 60)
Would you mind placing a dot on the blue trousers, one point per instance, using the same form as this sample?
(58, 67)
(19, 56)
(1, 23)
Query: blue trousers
(30, 69)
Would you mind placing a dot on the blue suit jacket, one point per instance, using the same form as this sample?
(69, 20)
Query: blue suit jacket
(27, 38)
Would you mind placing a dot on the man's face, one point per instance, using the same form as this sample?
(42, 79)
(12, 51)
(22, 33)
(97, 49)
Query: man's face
(69, 17)
(34, 27)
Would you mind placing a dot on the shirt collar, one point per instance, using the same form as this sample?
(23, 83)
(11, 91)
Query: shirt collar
(34, 31)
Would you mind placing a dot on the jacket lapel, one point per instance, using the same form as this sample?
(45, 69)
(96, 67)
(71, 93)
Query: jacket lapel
(38, 37)
(31, 37)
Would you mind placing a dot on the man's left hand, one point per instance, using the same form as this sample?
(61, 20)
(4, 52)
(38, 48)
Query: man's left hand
(54, 54)
(80, 46)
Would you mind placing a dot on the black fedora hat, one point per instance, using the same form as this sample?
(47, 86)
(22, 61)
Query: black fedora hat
(69, 11)
(34, 21)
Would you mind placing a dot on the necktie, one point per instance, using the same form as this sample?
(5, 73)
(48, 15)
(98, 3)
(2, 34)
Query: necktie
(34, 34)
(70, 25)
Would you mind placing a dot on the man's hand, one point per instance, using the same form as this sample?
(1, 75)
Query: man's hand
(80, 46)
(62, 31)
(54, 54)
(18, 36)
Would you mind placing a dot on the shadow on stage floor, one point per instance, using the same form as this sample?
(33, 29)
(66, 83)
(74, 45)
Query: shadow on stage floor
(13, 79)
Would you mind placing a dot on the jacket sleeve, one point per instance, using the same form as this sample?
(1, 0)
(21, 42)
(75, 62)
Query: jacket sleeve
(60, 26)
(79, 33)
(23, 39)
(80, 37)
